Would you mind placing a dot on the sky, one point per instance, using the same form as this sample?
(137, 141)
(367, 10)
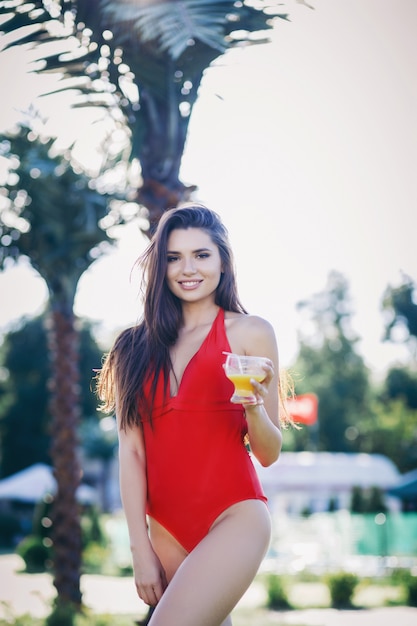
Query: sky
(307, 148)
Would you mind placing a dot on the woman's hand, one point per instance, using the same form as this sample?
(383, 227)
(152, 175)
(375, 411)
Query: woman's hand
(264, 433)
(260, 389)
(150, 579)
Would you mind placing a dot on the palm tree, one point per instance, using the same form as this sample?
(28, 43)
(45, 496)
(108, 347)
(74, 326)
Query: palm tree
(147, 59)
(50, 214)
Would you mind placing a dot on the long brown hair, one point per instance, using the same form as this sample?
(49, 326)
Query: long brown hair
(141, 353)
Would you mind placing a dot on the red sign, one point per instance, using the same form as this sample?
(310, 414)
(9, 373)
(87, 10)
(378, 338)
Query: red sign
(304, 408)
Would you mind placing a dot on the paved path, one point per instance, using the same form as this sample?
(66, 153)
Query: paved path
(33, 593)
(389, 616)
(22, 593)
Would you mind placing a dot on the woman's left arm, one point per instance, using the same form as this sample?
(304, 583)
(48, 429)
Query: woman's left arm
(264, 431)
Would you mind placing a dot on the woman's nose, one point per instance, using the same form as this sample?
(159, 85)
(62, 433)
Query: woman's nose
(189, 266)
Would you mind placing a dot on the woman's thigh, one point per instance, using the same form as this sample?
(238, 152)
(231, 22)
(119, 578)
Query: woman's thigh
(170, 552)
(211, 580)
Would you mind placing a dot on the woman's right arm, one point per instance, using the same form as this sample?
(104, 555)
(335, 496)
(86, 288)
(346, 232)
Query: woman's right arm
(149, 575)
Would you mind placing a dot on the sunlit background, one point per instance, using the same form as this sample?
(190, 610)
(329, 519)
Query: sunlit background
(307, 148)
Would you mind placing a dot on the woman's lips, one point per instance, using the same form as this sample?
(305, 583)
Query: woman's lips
(189, 284)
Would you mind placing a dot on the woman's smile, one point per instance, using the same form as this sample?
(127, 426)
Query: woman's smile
(189, 284)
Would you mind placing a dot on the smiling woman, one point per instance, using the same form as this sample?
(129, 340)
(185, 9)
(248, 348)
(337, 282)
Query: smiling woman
(189, 487)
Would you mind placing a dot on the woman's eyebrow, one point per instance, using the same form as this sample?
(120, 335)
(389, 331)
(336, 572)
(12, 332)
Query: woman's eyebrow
(201, 250)
(197, 251)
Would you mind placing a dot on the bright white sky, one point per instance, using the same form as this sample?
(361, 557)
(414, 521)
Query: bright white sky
(307, 148)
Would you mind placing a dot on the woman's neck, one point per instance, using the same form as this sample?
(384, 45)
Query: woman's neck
(196, 314)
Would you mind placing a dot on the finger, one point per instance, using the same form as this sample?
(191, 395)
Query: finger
(147, 595)
(259, 387)
(158, 591)
(154, 596)
(154, 592)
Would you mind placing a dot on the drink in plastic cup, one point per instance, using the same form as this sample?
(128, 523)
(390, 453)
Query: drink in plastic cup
(240, 370)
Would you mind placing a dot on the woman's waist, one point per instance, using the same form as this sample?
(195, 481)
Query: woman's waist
(192, 407)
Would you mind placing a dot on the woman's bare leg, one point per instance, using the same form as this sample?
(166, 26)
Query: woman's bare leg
(170, 552)
(211, 580)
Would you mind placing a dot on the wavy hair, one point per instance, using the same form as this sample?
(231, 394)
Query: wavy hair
(141, 353)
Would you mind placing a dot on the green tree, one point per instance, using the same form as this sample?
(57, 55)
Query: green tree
(395, 430)
(400, 307)
(24, 419)
(143, 59)
(329, 365)
(50, 215)
(390, 429)
(401, 383)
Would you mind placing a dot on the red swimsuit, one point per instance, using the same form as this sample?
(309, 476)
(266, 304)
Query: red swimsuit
(197, 463)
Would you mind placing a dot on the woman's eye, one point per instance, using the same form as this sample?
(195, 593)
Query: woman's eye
(203, 255)
(172, 259)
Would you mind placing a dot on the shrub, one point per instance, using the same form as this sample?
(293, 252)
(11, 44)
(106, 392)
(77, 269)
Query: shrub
(412, 591)
(342, 587)
(95, 559)
(63, 614)
(277, 596)
(19, 620)
(409, 583)
(35, 553)
(92, 531)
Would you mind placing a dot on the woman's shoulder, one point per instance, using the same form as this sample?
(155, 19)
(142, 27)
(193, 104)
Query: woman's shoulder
(247, 321)
(247, 331)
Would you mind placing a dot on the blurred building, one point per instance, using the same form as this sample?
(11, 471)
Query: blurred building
(317, 481)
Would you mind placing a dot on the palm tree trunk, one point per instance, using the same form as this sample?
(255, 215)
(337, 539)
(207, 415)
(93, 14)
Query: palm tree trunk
(64, 407)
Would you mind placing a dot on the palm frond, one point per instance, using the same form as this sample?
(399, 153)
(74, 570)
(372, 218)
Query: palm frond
(170, 26)
(61, 215)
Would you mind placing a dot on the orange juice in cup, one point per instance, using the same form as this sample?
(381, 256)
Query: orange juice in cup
(240, 369)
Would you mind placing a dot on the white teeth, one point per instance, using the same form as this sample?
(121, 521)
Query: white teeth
(189, 283)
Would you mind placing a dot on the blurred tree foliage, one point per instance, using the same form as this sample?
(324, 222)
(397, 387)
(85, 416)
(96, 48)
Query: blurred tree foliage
(401, 384)
(400, 308)
(390, 429)
(24, 414)
(329, 365)
(395, 430)
(356, 414)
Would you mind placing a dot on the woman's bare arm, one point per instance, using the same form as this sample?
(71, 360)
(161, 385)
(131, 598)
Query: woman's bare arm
(149, 575)
(255, 336)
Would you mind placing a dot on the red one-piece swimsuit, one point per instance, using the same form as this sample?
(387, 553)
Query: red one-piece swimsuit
(197, 461)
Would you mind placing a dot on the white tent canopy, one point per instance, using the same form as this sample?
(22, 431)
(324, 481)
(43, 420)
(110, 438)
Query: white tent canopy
(33, 483)
(334, 470)
(309, 480)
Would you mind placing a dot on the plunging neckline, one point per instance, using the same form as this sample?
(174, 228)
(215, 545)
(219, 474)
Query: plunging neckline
(172, 397)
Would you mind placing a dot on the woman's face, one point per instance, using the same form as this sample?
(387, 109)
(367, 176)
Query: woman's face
(193, 264)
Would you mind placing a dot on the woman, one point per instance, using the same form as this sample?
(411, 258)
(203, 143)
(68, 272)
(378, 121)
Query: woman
(197, 517)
